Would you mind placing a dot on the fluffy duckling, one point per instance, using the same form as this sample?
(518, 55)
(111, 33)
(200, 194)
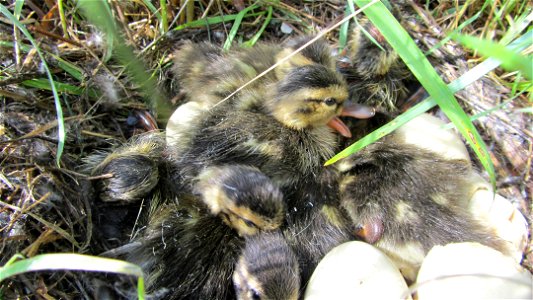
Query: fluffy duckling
(375, 74)
(405, 198)
(267, 269)
(190, 247)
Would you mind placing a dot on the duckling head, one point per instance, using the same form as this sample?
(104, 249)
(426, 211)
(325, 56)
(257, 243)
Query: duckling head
(371, 59)
(311, 93)
(267, 269)
(245, 198)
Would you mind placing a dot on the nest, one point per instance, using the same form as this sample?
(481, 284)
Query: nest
(47, 206)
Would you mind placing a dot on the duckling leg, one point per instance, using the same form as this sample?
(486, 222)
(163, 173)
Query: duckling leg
(130, 172)
(243, 196)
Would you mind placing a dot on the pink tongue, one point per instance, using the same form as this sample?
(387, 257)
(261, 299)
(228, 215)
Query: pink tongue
(351, 110)
(338, 125)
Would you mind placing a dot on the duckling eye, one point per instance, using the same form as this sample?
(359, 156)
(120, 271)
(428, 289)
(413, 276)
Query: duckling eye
(249, 223)
(330, 101)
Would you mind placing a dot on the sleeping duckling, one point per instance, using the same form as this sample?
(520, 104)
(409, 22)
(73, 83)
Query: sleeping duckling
(189, 248)
(405, 198)
(267, 269)
(376, 76)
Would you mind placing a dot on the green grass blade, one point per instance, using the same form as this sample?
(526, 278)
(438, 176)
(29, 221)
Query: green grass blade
(406, 48)
(62, 18)
(460, 83)
(59, 110)
(236, 26)
(73, 262)
(511, 61)
(213, 20)
(43, 84)
(384, 130)
(343, 31)
(18, 8)
(256, 36)
(68, 67)
(163, 15)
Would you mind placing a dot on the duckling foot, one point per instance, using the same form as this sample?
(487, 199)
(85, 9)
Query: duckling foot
(243, 196)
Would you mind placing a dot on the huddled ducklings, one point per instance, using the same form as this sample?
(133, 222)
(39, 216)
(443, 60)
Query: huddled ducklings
(267, 269)
(406, 198)
(281, 129)
(236, 161)
(302, 92)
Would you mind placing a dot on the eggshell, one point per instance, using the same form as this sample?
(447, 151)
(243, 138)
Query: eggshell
(472, 271)
(356, 270)
(508, 223)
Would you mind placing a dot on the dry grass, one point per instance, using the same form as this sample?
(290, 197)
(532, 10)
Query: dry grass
(45, 208)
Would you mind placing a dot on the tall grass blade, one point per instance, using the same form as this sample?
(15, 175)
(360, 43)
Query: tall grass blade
(402, 43)
(213, 20)
(59, 110)
(256, 36)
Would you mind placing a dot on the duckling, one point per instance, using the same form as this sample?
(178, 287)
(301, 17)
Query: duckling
(267, 269)
(190, 246)
(405, 199)
(375, 74)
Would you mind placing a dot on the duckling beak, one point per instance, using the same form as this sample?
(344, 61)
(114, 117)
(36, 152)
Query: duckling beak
(339, 125)
(354, 110)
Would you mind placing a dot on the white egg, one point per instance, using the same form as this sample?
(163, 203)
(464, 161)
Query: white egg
(472, 271)
(356, 270)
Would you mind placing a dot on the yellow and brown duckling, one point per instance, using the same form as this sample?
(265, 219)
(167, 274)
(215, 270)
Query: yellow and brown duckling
(406, 198)
(375, 74)
(267, 269)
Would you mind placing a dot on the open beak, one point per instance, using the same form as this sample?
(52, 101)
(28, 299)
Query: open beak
(354, 110)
